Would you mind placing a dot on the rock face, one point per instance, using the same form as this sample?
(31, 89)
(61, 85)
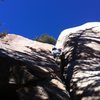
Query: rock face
(28, 70)
(81, 46)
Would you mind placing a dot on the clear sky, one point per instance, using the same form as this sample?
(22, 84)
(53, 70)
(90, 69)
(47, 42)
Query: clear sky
(31, 18)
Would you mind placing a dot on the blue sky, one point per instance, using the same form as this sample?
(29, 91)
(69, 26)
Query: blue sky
(31, 18)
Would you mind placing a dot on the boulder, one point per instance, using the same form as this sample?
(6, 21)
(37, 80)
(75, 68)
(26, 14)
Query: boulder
(81, 47)
(28, 70)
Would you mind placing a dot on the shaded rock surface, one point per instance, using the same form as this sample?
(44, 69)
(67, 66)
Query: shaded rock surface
(81, 46)
(28, 71)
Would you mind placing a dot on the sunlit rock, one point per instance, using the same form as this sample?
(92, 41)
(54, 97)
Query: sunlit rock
(81, 46)
(27, 70)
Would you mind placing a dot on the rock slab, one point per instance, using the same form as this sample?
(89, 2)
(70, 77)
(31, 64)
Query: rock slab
(28, 70)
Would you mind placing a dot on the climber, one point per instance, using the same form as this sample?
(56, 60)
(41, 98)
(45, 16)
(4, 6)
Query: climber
(56, 52)
(59, 57)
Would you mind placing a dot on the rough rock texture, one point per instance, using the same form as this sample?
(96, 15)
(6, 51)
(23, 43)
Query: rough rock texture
(81, 46)
(28, 71)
